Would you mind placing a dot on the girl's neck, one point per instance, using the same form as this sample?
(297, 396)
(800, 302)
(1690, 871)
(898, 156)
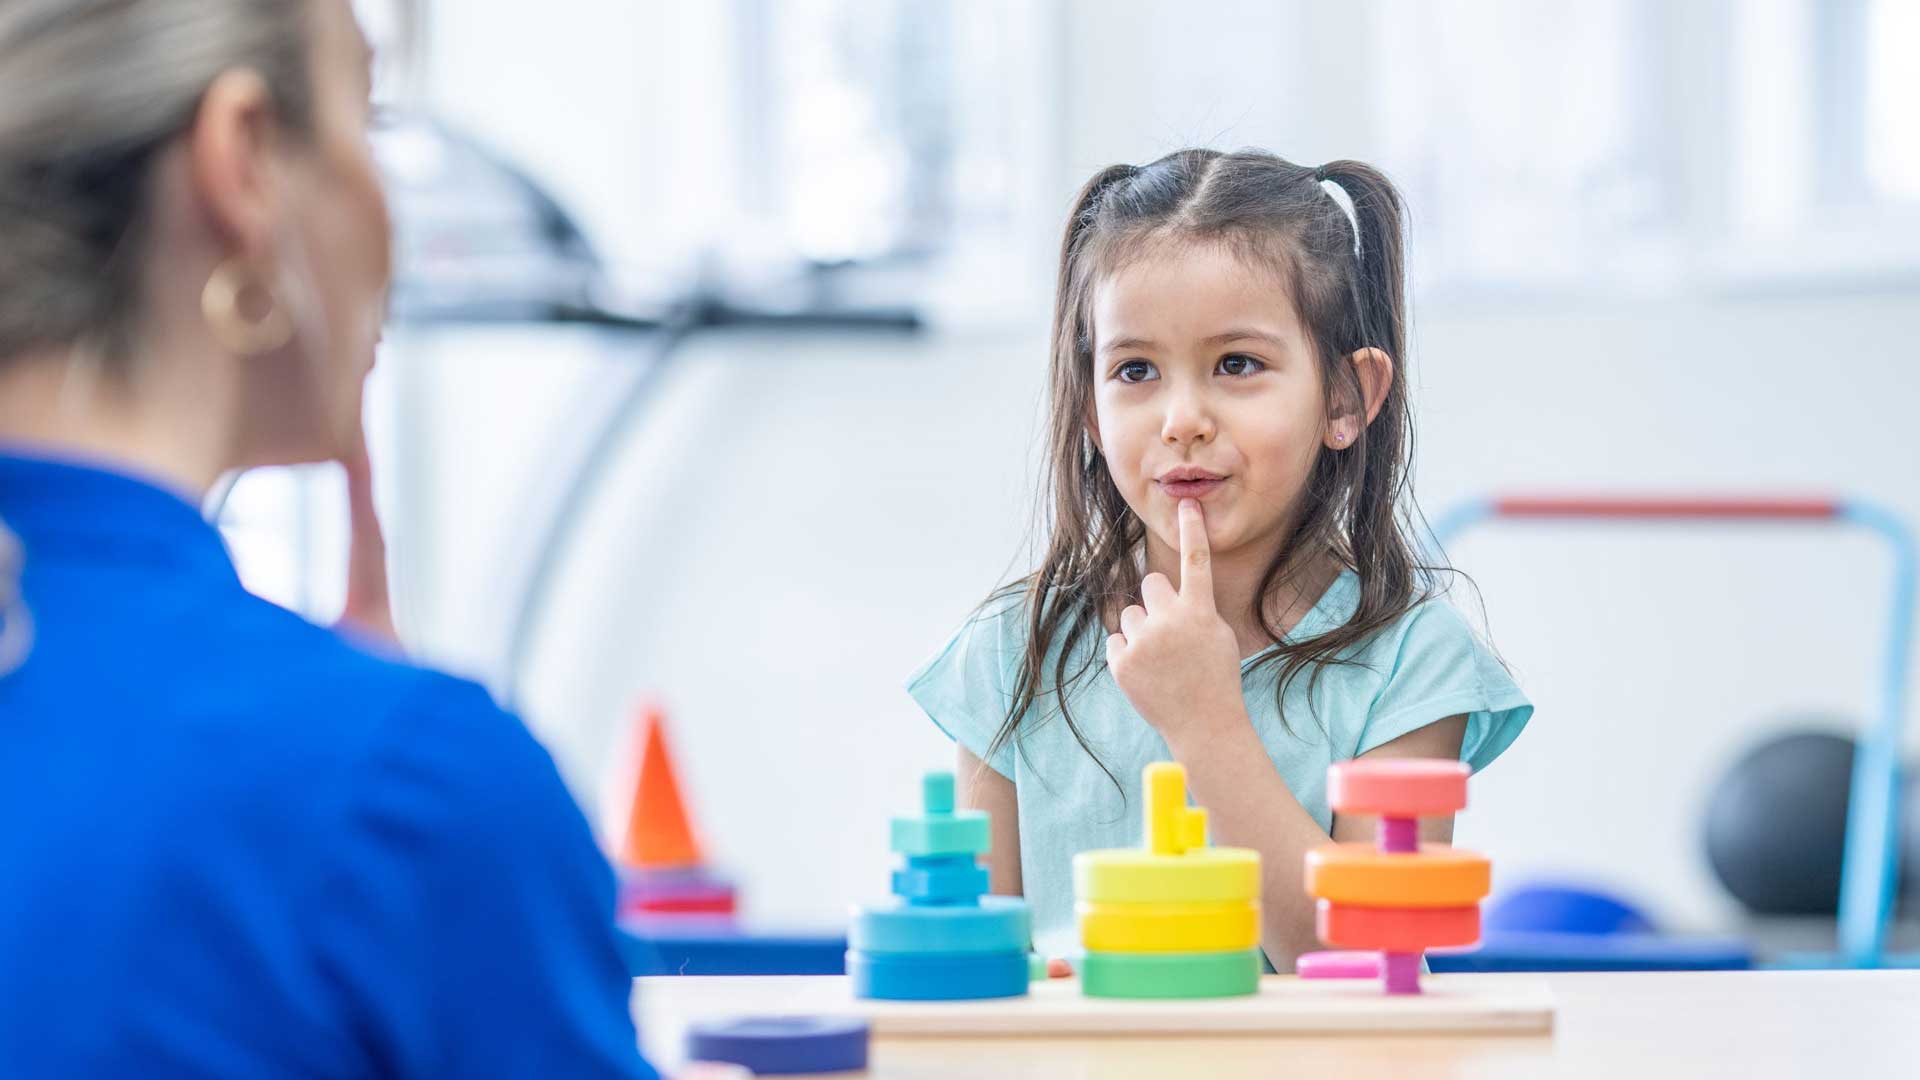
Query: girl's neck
(1236, 580)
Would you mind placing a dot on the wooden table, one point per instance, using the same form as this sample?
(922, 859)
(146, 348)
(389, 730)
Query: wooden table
(1829, 1025)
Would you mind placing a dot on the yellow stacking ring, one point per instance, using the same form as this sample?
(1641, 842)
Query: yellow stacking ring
(1175, 866)
(1137, 876)
(1361, 875)
(1169, 928)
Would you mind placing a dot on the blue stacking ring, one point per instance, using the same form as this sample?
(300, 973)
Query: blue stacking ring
(941, 862)
(937, 977)
(782, 1044)
(948, 881)
(998, 924)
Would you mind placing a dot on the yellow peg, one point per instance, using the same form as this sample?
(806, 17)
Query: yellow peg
(1166, 785)
(1193, 829)
(1174, 865)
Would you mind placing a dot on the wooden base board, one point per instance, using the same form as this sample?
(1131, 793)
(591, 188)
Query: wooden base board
(1284, 1006)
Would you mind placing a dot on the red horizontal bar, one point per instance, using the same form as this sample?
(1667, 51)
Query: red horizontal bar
(680, 905)
(1672, 508)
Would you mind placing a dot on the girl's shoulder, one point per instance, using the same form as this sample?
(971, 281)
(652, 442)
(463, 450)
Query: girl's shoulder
(1426, 665)
(969, 686)
(1431, 621)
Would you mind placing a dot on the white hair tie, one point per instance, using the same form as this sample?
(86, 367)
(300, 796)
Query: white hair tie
(1344, 201)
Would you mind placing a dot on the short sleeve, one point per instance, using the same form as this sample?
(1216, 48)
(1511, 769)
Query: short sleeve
(1441, 668)
(469, 916)
(966, 689)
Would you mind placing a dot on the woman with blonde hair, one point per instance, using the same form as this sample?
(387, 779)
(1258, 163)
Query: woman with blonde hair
(235, 843)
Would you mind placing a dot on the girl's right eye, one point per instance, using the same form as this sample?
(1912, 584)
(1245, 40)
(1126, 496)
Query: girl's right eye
(1135, 371)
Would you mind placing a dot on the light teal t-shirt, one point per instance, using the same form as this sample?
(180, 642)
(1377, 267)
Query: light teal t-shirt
(1427, 666)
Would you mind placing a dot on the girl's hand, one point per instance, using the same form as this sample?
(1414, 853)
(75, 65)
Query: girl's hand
(369, 610)
(1175, 658)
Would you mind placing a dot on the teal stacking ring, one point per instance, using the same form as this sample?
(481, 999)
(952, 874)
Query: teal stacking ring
(996, 924)
(962, 833)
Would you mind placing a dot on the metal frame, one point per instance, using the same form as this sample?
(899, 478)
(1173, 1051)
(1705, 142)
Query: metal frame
(1870, 863)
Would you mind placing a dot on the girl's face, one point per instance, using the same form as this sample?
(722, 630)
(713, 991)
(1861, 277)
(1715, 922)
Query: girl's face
(1206, 387)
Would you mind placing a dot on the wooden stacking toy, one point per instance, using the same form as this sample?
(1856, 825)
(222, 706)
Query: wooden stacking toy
(943, 939)
(1401, 897)
(1175, 918)
(663, 872)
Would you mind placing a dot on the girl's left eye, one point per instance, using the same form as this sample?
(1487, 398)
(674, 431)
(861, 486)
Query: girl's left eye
(1238, 364)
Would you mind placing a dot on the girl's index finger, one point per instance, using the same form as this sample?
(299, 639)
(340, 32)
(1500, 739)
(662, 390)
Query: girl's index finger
(1196, 558)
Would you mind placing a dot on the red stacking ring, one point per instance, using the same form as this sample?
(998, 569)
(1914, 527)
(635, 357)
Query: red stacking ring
(1400, 930)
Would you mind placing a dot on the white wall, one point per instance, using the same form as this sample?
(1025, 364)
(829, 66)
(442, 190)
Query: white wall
(620, 108)
(1655, 654)
(804, 520)
(807, 520)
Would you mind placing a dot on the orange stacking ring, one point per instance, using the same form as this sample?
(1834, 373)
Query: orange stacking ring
(1436, 877)
(1397, 930)
(1401, 787)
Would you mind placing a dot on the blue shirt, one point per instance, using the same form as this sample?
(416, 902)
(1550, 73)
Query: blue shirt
(1427, 666)
(236, 846)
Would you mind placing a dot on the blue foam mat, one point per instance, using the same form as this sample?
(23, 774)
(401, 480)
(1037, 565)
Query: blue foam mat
(1547, 951)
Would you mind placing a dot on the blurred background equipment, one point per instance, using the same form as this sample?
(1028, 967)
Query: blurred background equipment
(1654, 245)
(1802, 825)
(1777, 821)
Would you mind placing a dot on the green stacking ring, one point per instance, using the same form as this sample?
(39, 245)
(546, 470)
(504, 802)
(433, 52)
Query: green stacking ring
(1170, 975)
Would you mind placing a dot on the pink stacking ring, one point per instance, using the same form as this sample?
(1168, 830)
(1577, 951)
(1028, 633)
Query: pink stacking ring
(1401, 788)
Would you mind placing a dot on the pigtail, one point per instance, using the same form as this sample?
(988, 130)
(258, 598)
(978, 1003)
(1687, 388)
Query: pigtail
(1086, 209)
(1377, 289)
(1379, 280)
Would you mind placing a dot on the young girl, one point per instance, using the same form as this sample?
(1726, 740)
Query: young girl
(1228, 582)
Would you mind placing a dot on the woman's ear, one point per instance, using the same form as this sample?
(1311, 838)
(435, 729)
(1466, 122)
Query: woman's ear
(1373, 370)
(229, 148)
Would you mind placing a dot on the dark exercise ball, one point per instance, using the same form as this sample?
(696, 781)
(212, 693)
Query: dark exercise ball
(1778, 822)
(1910, 844)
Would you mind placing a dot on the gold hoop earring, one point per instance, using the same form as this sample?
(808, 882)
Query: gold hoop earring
(220, 306)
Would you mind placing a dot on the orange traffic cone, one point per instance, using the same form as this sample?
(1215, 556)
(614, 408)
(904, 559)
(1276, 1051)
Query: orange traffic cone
(659, 835)
(662, 873)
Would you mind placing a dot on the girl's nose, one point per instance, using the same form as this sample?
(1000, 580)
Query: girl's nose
(1188, 420)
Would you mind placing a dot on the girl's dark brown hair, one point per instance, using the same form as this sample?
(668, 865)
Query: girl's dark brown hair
(1350, 294)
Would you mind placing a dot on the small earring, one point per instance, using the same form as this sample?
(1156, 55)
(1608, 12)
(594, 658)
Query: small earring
(1340, 437)
(220, 306)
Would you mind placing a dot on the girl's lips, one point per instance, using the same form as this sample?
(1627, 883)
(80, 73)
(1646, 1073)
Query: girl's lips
(1198, 488)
